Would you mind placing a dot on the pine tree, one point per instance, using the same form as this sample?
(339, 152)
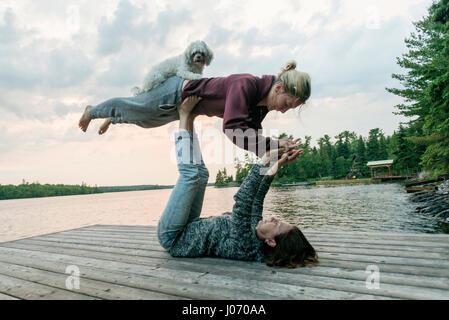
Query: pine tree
(219, 181)
(372, 146)
(383, 153)
(361, 156)
(426, 87)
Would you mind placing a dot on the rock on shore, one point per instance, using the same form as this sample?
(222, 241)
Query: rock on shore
(434, 202)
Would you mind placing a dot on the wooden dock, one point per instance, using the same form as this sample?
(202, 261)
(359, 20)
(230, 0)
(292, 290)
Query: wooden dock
(127, 262)
(347, 181)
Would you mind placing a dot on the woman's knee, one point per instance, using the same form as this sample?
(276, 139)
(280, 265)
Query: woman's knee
(203, 173)
(189, 173)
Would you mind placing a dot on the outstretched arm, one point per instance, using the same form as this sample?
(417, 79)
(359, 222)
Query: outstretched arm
(241, 212)
(287, 157)
(249, 198)
(257, 207)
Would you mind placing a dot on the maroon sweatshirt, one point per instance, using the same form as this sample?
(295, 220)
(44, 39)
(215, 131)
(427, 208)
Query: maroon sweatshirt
(235, 98)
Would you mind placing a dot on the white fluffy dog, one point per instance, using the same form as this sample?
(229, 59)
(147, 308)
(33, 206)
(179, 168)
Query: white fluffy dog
(188, 65)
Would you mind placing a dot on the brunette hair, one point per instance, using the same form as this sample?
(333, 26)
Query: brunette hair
(295, 82)
(292, 250)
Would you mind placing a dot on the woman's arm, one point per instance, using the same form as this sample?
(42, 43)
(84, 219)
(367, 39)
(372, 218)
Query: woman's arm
(236, 124)
(241, 212)
(257, 207)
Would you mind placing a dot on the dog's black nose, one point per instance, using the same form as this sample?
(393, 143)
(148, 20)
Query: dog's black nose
(198, 57)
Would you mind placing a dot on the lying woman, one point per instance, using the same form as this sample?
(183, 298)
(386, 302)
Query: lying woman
(242, 234)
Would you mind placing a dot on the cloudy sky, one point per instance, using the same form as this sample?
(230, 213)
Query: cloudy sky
(59, 56)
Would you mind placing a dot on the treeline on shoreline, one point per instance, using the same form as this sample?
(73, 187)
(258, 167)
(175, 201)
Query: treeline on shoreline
(335, 159)
(37, 190)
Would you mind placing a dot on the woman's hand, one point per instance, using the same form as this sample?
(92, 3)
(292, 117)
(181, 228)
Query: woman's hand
(286, 144)
(286, 158)
(275, 154)
(187, 105)
(186, 118)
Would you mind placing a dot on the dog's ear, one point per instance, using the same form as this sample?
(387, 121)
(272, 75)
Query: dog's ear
(187, 54)
(209, 55)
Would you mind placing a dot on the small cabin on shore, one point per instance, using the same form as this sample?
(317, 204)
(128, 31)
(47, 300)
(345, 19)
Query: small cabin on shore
(373, 165)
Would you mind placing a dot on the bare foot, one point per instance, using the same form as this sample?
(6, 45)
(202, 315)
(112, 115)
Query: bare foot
(85, 119)
(105, 126)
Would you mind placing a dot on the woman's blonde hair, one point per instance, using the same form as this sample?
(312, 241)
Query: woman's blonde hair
(295, 82)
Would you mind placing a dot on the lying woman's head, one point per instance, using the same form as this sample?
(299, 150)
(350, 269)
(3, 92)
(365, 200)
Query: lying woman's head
(284, 244)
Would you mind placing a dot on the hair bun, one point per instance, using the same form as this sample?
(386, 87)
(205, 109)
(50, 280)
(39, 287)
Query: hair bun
(290, 65)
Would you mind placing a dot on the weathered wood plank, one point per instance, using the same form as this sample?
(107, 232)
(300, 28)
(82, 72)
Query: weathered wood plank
(34, 291)
(7, 297)
(94, 288)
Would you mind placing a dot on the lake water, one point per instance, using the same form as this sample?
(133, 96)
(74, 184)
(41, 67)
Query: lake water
(371, 207)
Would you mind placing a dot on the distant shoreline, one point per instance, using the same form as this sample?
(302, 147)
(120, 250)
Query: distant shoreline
(36, 190)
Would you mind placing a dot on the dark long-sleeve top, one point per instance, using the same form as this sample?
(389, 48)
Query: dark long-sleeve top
(231, 236)
(235, 98)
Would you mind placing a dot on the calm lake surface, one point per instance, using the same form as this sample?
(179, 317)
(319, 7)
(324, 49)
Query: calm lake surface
(371, 207)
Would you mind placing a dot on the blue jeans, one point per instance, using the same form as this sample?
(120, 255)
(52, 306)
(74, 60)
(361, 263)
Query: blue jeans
(154, 108)
(186, 199)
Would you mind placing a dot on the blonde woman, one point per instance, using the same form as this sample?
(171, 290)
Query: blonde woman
(242, 100)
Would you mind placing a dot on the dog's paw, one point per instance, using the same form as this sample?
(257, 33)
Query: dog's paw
(196, 76)
(189, 75)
